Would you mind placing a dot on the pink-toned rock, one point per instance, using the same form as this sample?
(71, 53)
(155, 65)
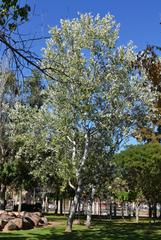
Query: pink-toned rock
(43, 221)
(10, 226)
(2, 211)
(18, 222)
(3, 222)
(12, 214)
(22, 214)
(27, 223)
(34, 217)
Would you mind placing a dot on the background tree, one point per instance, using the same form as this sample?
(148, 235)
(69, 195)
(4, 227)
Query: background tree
(149, 59)
(140, 166)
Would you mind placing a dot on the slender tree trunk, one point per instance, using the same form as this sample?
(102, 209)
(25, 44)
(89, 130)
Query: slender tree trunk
(61, 205)
(160, 210)
(78, 216)
(154, 211)
(150, 212)
(2, 197)
(43, 201)
(34, 196)
(64, 206)
(46, 204)
(110, 210)
(89, 207)
(115, 210)
(137, 212)
(20, 201)
(57, 201)
(79, 185)
(133, 209)
(100, 207)
(122, 210)
(73, 208)
(129, 210)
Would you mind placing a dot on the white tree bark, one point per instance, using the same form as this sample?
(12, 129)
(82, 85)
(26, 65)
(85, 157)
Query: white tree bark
(78, 191)
(89, 207)
(73, 207)
(137, 212)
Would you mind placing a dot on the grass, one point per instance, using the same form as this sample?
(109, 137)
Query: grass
(103, 230)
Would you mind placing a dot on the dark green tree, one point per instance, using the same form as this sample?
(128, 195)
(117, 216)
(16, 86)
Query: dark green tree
(140, 166)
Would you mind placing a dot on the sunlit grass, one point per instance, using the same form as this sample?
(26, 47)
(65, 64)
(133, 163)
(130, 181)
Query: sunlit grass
(101, 229)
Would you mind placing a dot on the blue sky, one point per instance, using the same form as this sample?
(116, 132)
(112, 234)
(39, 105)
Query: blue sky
(139, 19)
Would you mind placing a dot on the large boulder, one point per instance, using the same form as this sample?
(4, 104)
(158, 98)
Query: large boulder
(5, 218)
(18, 222)
(34, 218)
(10, 226)
(25, 220)
(11, 214)
(38, 214)
(27, 223)
(3, 222)
(2, 211)
(22, 214)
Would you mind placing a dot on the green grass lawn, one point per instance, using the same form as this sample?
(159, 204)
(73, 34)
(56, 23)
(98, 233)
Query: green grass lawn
(103, 230)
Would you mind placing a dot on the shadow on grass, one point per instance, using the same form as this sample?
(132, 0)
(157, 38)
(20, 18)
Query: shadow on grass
(100, 230)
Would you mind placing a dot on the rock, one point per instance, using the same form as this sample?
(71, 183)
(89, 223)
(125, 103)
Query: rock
(3, 222)
(22, 214)
(25, 220)
(27, 223)
(2, 211)
(6, 217)
(10, 226)
(18, 222)
(34, 218)
(38, 214)
(43, 220)
(12, 214)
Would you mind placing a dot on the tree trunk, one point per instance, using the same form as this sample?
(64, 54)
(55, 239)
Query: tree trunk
(78, 216)
(89, 207)
(20, 201)
(79, 186)
(34, 196)
(129, 210)
(46, 204)
(154, 211)
(122, 210)
(100, 207)
(43, 201)
(110, 210)
(2, 197)
(137, 212)
(150, 212)
(56, 204)
(159, 210)
(61, 205)
(115, 210)
(73, 208)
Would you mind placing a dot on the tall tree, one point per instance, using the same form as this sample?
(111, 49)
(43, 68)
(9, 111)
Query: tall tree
(101, 98)
(150, 61)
